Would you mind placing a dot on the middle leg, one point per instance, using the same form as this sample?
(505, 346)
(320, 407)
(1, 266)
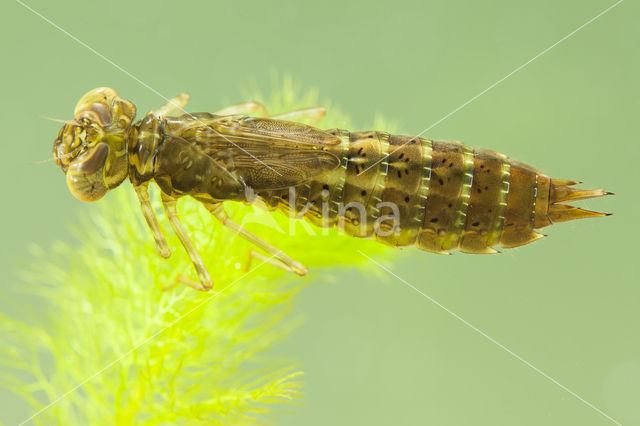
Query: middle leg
(205, 283)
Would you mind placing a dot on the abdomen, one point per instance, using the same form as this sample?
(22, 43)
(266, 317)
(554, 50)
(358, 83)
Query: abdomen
(437, 195)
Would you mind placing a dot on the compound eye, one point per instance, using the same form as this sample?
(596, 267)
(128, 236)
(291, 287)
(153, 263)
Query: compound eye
(103, 113)
(85, 176)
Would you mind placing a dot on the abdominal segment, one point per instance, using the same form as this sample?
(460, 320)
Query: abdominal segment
(437, 195)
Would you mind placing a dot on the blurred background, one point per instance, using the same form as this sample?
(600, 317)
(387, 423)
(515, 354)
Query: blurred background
(375, 351)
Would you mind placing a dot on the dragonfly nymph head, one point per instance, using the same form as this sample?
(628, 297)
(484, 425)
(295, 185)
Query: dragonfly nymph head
(92, 147)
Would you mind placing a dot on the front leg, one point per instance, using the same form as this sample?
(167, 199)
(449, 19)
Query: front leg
(152, 222)
(176, 104)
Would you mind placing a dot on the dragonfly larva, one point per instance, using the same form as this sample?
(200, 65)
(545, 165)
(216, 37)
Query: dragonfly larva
(400, 190)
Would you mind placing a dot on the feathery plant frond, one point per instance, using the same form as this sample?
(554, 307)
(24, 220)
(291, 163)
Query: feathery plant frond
(180, 355)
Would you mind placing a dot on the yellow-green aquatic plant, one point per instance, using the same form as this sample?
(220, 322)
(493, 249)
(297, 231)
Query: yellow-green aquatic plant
(98, 318)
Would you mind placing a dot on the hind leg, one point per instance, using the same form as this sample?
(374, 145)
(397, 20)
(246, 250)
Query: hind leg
(244, 108)
(265, 259)
(280, 258)
(313, 114)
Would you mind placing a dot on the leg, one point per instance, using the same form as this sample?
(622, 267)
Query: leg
(314, 113)
(205, 281)
(244, 108)
(147, 212)
(176, 104)
(218, 211)
(270, 260)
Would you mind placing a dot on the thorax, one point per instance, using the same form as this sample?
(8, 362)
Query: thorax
(145, 137)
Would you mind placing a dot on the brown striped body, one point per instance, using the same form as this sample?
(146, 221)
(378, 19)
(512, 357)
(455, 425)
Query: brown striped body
(401, 190)
(448, 196)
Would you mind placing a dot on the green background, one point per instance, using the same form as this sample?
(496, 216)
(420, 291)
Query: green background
(375, 351)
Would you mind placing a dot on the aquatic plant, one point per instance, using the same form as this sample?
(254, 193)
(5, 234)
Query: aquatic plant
(99, 341)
